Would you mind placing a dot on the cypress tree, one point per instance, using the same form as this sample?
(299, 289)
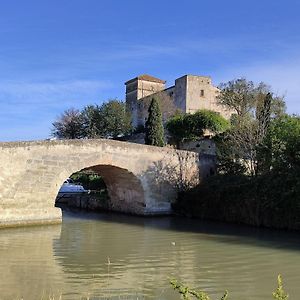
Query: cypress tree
(154, 126)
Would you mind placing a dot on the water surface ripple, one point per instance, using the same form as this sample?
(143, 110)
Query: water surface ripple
(110, 256)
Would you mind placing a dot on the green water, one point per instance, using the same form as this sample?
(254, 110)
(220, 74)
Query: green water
(110, 256)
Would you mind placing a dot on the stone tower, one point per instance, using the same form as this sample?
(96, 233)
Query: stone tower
(139, 88)
(194, 92)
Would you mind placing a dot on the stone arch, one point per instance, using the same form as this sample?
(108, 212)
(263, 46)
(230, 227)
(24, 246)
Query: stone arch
(32, 173)
(125, 190)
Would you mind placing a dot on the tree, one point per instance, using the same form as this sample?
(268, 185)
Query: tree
(244, 97)
(238, 95)
(154, 130)
(284, 137)
(192, 126)
(114, 119)
(237, 147)
(247, 140)
(178, 128)
(92, 121)
(109, 120)
(69, 125)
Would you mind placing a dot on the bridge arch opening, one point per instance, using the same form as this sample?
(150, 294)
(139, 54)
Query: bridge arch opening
(116, 189)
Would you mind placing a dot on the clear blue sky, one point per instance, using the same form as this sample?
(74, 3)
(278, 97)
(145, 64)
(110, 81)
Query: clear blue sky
(56, 54)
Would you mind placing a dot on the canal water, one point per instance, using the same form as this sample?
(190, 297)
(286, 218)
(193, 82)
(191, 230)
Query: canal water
(111, 256)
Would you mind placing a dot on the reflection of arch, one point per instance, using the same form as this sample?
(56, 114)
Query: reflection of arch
(125, 191)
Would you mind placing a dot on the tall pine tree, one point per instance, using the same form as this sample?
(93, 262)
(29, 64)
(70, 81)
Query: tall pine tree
(154, 126)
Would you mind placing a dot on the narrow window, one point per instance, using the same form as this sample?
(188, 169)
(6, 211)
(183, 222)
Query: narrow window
(202, 93)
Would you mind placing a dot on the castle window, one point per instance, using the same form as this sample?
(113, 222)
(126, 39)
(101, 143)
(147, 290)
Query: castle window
(202, 93)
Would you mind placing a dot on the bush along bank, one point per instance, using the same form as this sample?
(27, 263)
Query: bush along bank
(271, 200)
(188, 294)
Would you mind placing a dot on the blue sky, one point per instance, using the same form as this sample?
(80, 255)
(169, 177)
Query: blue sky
(68, 53)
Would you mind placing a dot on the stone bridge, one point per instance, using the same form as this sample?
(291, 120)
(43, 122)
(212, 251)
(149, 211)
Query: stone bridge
(140, 179)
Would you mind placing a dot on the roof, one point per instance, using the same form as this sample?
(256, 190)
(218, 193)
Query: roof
(146, 77)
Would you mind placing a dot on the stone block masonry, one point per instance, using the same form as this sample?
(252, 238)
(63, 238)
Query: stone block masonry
(140, 179)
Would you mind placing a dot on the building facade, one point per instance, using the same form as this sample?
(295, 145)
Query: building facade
(189, 94)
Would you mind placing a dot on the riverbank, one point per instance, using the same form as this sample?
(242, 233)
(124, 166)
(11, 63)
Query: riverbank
(272, 200)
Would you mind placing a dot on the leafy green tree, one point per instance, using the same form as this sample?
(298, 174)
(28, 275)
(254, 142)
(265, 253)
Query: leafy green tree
(208, 120)
(177, 128)
(109, 120)
(69, 125)
(245, 98)
(154, 130)
(192, 126)
(114, 120)
(238, 95)
(92, 121)
(284, 137)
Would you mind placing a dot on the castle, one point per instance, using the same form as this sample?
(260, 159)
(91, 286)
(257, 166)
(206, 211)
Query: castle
(189, 94)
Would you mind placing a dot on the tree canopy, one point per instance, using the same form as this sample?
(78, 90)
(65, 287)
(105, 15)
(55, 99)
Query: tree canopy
(245, 146)
(108, 120)
(245, 98)
(192, 126)
(285, 142)
(114, 120)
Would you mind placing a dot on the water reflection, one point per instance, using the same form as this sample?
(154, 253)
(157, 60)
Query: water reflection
(27, 267)
(110, 255)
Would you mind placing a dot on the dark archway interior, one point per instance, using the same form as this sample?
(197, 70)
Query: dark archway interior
(102, 187)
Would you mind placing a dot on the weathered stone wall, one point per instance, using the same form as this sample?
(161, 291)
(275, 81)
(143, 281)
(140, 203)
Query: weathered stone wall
(180, 93)
(208, 165)
(201, 146)
(166, 103)
(89, 201)
(138, 89)
(201, 94)
(140, 179)
(146, 88)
